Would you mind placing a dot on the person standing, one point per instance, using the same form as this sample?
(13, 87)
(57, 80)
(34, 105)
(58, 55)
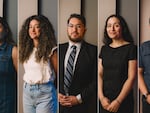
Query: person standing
(144, 75)
(37, 53)
(117, 68)
(77, 69)
(8, 69)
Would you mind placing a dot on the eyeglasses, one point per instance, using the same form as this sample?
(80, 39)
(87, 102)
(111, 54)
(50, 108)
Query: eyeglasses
(78, 26)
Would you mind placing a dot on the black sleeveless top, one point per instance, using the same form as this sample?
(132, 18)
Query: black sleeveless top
(8, 80)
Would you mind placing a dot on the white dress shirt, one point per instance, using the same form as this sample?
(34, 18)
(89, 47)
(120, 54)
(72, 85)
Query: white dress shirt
(69, 50)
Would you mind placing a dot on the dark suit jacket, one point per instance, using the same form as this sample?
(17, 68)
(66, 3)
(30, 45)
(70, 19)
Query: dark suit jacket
(84, 81)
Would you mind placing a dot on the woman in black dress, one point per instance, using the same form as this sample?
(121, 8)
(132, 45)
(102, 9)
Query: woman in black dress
(117, 68)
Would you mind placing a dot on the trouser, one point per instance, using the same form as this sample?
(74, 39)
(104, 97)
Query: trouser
(39, 98)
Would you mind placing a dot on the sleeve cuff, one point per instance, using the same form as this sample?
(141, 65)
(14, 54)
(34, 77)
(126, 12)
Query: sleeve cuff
(79, 98)
(52, 51)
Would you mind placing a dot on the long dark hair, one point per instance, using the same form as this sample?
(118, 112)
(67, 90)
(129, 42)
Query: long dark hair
(8, 36)
(125, 30)
(46, 39)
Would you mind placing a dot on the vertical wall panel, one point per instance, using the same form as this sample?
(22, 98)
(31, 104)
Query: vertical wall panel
(144, 20)
(49, 8)
(90, 11)
(26, 8)
(10, 14)
(128, 9)
(1, 8)
(66, 7)
(106, 8)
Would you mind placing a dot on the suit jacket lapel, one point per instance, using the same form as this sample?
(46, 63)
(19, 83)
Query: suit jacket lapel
(62, 53)
(81, 58)
(64, 50)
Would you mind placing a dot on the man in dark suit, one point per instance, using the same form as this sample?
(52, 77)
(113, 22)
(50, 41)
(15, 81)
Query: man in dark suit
(81, 93)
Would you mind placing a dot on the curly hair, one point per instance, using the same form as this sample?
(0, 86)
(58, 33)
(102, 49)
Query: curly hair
(8, 37)
(46, 39)
(125, 30)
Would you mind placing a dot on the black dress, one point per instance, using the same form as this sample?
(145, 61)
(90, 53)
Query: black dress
(115, 73)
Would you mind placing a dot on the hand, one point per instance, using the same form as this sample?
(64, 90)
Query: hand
(114, 106)
(73, 100)
(105, 102)
(64, 100)
(67, 101)
(148, 99)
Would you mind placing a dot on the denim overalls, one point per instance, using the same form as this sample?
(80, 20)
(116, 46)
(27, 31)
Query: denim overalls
(7, 80)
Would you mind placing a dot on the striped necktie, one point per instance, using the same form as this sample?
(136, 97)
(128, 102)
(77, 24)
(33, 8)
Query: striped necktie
(69, 70)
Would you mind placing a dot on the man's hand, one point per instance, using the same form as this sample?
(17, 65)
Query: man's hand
(64, 100)
(73, 100)
(67, 101)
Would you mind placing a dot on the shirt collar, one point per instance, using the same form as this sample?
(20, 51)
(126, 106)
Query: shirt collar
(78, 44)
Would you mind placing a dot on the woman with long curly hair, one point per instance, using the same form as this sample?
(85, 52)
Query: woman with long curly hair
(117, 67)
(37, 53)
(8, 69)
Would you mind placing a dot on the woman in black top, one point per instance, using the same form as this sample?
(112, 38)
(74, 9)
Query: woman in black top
(117, 67)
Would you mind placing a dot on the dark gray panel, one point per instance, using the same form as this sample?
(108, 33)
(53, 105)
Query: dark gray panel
(128, 9)
(49, 8)
(10, 14)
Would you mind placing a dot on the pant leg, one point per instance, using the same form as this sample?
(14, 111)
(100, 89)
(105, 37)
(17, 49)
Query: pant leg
(28, 106)
(47, 99)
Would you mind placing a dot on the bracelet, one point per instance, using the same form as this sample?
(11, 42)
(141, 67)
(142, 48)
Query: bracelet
(118, 101)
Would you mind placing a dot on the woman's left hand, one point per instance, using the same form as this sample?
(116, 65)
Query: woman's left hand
(114, 106)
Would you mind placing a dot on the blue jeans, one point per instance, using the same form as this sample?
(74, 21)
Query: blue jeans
(39, 98)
